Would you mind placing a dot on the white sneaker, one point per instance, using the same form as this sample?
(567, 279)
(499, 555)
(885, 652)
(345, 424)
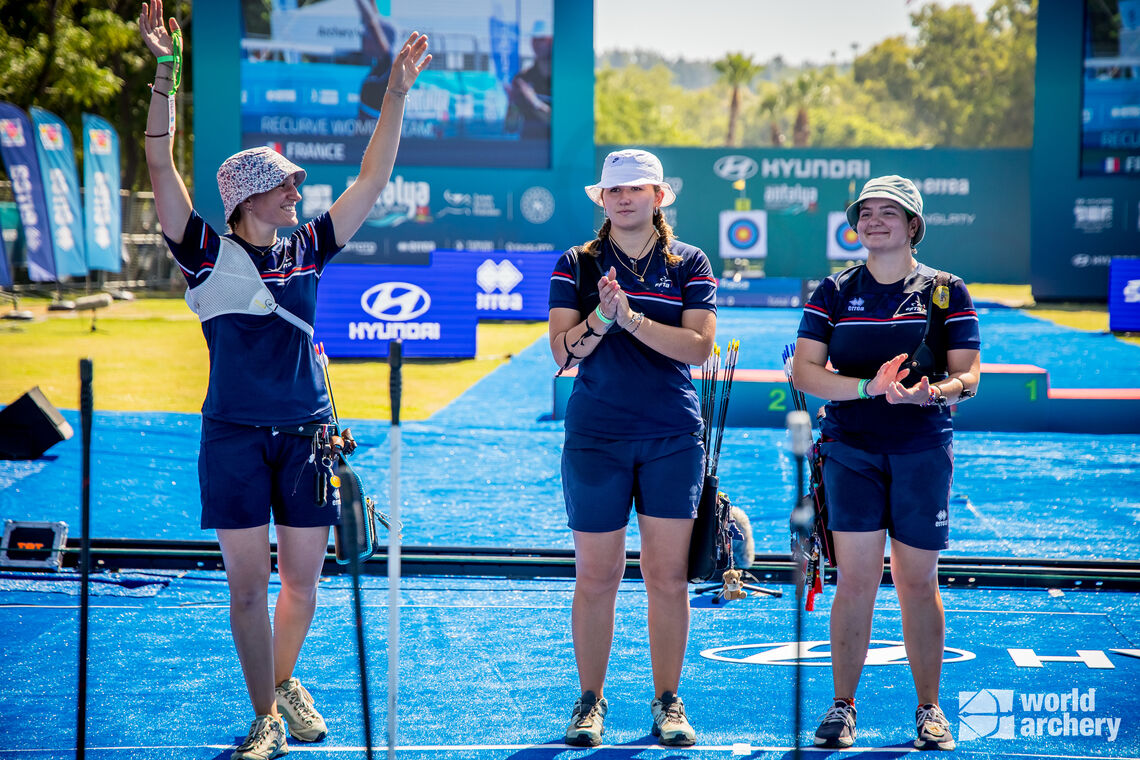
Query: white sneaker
(296, 706)
(266, 740)
(670, 723)
(933, 729)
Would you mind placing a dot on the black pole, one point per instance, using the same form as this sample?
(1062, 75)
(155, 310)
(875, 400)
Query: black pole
(799, 429)
(86, 406)
(350, 529)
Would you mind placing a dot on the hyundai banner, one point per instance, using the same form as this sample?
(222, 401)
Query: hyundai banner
(102, 206)
(505, 285)
(361, 308)
(17, 148)
(61, 188)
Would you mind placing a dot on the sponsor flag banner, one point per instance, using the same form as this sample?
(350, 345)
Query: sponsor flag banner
(5, 268)
(505, 285)
(743, 234)
(842, 241)
(363, 307)
(61, 188)
(17, 146)
(102, 204)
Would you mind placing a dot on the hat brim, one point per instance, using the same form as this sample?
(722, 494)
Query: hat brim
(853, 215)
(595, 191)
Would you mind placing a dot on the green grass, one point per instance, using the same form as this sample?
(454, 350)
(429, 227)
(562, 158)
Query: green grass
(149, 355)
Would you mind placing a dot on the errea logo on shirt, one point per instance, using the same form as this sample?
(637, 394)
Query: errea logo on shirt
(855, 304)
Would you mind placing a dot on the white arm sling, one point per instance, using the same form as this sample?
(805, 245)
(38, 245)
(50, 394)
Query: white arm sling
(235, 287)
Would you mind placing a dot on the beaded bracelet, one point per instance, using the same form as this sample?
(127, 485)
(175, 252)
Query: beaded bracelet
(636, 321)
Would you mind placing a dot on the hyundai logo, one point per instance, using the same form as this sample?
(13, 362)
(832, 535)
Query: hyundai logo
(733, 168)
(395, 301)
(818, 653)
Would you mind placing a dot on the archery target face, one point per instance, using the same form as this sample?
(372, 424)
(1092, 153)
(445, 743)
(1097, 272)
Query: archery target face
(743, 234)
(842, 241)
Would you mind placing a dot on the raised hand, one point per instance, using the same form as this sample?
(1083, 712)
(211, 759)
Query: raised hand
(408, 64)
(158, 40)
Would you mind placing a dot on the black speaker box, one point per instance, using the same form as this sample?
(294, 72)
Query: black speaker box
(30, 425)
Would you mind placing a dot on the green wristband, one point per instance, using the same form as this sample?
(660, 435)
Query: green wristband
(605, 320)
(863, 389)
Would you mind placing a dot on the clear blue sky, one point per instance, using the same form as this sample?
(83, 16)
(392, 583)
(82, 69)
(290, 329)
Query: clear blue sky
(799, 30)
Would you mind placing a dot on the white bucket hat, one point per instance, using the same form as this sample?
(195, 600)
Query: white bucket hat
(626, 168)
(251, 172)
(893, 188)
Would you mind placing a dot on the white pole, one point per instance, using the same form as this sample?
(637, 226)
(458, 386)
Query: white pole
(395, 387)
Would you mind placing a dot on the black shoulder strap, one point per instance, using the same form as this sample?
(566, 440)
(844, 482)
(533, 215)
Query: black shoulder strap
(586, 270)
(941, 280)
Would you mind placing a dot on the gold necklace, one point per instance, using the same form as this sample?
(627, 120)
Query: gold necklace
(648, 258)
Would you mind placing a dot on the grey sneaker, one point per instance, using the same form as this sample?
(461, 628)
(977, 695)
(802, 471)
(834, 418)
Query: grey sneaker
(586, 721)
(266, 740)
(933, 729)
(669, 721)
(296, 706)
(837, 731)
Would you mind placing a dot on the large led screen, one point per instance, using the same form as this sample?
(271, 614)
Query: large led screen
(1110, 134)
(313, 75)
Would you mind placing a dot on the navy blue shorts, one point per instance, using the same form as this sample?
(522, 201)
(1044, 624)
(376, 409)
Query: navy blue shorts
(908, 495)
(247, 472)
(601, 477)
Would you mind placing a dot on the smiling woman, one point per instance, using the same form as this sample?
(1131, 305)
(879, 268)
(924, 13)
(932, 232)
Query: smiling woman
(267, 404)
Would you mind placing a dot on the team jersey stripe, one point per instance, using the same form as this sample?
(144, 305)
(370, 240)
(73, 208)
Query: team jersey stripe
(294, 272)
(695, 280)
(874, 321)
(649, 296)
(562, 276)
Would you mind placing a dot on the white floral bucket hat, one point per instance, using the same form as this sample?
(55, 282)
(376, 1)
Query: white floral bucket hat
(251, 172)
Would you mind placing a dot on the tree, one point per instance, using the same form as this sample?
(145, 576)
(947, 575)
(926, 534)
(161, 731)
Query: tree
(71, 56)
(736, 70)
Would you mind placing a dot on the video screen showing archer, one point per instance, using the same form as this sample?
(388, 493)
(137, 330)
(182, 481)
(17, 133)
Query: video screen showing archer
(1110, 133)
(314, 72)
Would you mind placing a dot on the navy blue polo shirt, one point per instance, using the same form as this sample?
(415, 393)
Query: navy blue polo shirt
(625, 389)
(263, 370)
(865, 323)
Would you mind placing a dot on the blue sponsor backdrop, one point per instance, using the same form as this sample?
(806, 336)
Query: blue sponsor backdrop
(17, 146)
(361, 308)
(1124, 295)
(505, 285)
(61, 188)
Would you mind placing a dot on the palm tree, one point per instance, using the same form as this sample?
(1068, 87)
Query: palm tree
(736, 70)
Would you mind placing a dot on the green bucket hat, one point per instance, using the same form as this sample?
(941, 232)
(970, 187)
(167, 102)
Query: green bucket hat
(894, 188)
